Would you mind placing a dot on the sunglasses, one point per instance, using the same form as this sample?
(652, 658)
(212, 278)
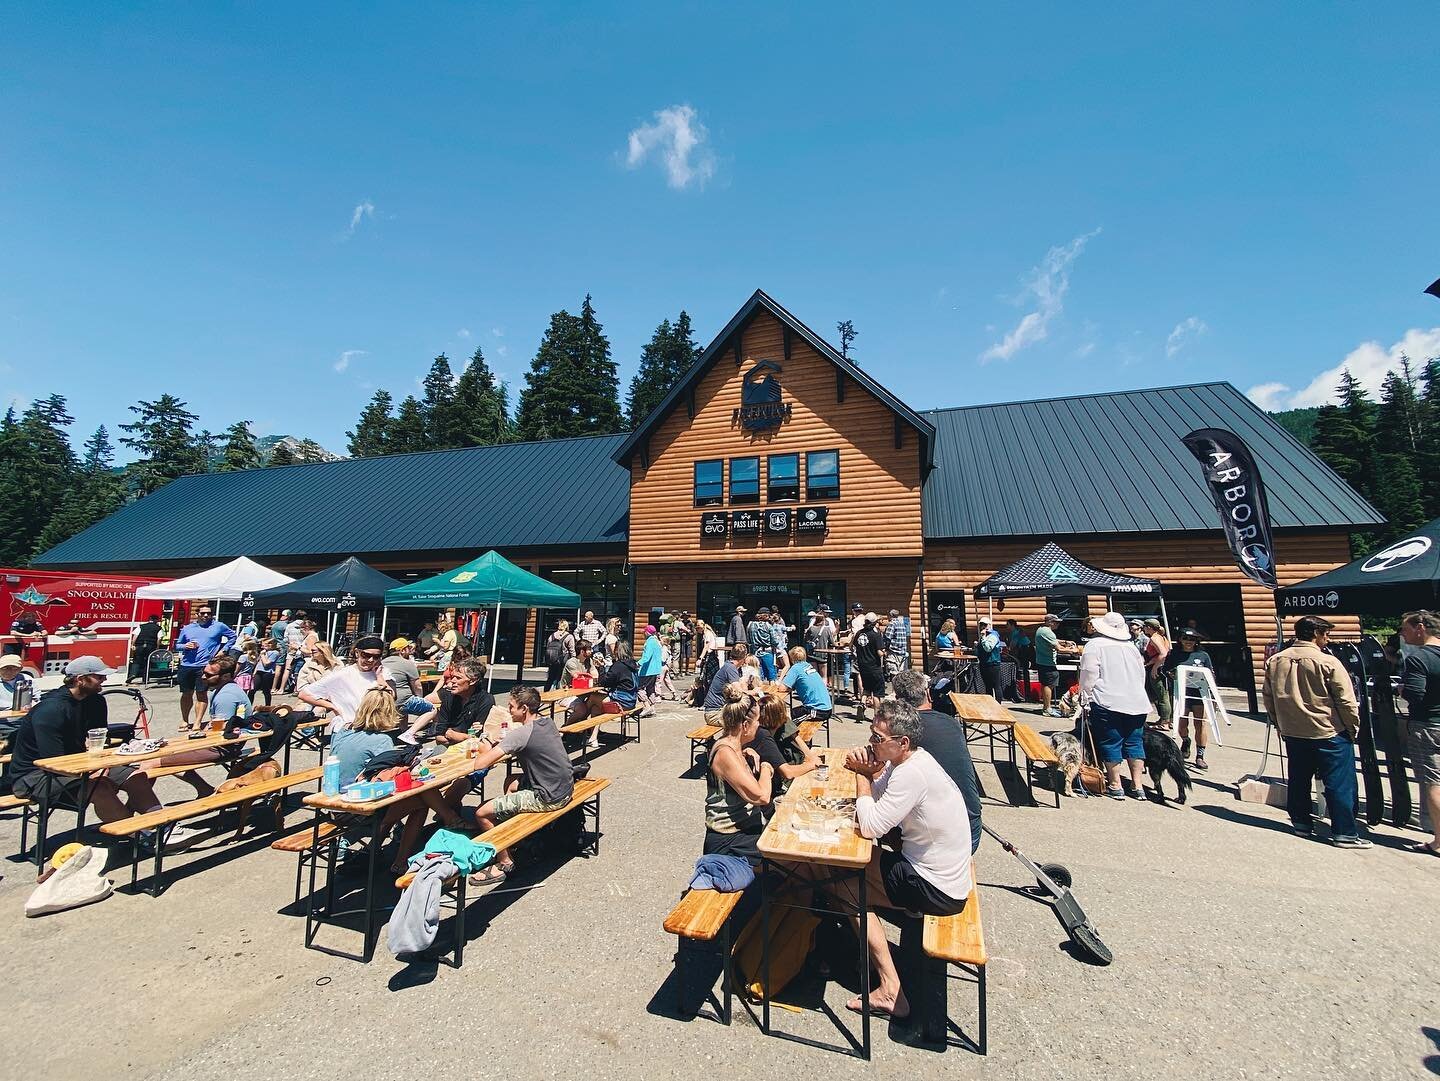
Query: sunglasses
(367, 656)
(876, 739)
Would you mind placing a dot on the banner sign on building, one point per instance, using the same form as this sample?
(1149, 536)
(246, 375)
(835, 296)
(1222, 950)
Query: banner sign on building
(777, 523)
(760, 406)
(1239, 496)
(745, 523)
(713, 525)
(812, 520)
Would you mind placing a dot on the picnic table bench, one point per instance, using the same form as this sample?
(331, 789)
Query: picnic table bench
(959, 940)
(703, 916)
(133, 826)
(702, 735)
(1037, 751)
(595, 720)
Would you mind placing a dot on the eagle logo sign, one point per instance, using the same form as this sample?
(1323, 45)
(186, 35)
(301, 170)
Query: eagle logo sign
(1397, 555)
(760, 406)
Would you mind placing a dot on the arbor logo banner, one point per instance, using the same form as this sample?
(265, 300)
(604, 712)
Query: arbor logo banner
(760, 406)
(1239, 496)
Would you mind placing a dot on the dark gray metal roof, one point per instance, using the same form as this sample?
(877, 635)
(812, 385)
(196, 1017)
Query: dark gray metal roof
(717, 348)
(563, 493)
(1066, 466)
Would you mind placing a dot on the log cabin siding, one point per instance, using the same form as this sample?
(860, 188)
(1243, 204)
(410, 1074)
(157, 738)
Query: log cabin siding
(877, 512)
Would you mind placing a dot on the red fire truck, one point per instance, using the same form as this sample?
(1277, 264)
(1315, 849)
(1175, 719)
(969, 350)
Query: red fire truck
(51, 616)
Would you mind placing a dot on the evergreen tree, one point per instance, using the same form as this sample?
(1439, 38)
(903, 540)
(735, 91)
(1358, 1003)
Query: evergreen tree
(1397, 420)
(668, 355)
(281, 454)
(1428, 456)
(98, 492)
(1396, 495)
(848, 333)
(371, 436)
(439, 405)
(1344, 434)
(309, 451)
(481, 407)
(162, 438)
(571, 387)
(409, 431)
(37, 473)
(14, 492)
(240, 451)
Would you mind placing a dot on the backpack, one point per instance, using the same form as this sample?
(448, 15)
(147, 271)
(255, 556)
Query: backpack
(555, 650)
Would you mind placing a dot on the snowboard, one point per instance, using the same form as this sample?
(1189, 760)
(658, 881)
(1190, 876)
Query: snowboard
(1350, 655)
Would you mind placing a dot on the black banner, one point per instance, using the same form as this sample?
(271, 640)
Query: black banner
(777, 523)
(1239, 496)
(812, 520)
(1434, 288)
(745, 523)
(713, 525)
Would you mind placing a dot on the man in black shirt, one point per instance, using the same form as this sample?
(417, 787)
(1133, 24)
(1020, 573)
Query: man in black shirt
(462, 703)
(868, 645)
(728, 674)
(944, 738)
(147, 640)
(56, 726)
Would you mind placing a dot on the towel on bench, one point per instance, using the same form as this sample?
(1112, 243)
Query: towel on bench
(416, 918)
(464, 852)
(728, 874)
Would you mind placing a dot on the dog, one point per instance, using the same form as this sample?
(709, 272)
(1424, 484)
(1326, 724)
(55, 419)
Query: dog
(1067, 749)
(1162, 755)
(265, 771)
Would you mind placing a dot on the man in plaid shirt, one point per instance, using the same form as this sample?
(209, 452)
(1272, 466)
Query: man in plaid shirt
(897, 643)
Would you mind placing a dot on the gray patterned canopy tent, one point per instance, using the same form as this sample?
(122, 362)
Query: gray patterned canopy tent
(1052, 570)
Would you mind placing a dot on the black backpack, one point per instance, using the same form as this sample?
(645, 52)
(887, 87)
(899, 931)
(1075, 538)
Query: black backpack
(555, 650)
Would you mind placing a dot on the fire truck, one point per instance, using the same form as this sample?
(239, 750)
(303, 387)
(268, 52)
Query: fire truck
(48, 617)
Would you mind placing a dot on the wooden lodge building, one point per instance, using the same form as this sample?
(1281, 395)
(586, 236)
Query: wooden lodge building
(778, 473)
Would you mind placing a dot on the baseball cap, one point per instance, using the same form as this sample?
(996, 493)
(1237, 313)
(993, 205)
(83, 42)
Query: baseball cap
(857, 607)
(10, 660)
(871, 617)
(894, 612)
(87, 666)
(1051, 617)
(1188, 632)
(740, 608)
(984, 619)
(763, 611)
(401, 643)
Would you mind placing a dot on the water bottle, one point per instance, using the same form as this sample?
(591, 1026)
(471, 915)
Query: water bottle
(330, 781)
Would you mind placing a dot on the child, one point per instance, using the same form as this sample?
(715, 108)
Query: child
(1191, 654)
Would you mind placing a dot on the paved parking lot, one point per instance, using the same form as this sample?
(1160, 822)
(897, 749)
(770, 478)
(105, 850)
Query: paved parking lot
(1240, 950)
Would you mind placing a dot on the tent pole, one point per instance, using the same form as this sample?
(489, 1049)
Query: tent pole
(494, 645)
(1165, 619)
(130, 640)
(384, 615)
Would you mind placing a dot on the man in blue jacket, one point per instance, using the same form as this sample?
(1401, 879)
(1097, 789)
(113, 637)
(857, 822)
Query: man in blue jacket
(198, 643)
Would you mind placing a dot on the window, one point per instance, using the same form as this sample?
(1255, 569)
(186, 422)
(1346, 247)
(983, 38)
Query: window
(784, 472)
(710, 483)
(822, 474)
(744, 480)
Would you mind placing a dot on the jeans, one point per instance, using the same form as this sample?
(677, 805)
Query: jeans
(767, 664)
(990, 675)
(1333, 759)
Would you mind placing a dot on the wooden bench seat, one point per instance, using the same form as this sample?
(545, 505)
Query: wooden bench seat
(960, 940)
(700, 737)
(303, 839)
(11, 802)
(704, 916)
(595, 720)
(808, 730)
(133, 826)
(1037, 751)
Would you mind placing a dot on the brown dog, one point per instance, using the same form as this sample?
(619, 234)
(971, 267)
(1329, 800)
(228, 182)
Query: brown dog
(265, 771)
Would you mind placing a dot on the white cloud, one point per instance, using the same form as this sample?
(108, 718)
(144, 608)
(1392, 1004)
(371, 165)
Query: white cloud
(1048, 284)
(504, 350)
(1183, 334)
(463, 333)
(362, 211)
(499, 332)
(678, 139)
(1084, 350)
(344, 361)
(1368, 362)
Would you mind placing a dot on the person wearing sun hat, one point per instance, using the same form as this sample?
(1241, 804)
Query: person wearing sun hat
(1112, 679)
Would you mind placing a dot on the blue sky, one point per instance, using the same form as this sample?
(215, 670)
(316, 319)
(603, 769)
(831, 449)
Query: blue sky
(232, 202)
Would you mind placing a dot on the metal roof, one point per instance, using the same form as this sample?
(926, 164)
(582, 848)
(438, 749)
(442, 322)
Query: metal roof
(563, 493)
(723, 341)
(1114, 463)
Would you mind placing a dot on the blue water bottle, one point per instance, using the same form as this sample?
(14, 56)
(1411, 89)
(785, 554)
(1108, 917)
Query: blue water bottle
(330, 781)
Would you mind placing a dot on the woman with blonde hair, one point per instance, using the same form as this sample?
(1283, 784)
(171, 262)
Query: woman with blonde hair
(322, 660)
(738, 784)
(369, 735)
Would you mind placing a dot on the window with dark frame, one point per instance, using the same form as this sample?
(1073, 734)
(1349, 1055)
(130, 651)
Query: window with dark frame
(784, 478)
(822, 474)
(744, 480)
(710, 483)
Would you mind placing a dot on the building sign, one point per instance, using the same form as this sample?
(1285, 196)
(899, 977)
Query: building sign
(745, 523)
(713, 525)
(812, 520)
(777, 523)
(761, 409)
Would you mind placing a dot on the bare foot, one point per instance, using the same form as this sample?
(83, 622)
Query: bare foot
(883, 1004)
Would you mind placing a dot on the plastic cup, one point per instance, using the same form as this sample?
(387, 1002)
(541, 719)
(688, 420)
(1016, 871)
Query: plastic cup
(95, 739)
(822, 773)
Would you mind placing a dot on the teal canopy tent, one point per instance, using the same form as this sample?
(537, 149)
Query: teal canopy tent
(491, 581)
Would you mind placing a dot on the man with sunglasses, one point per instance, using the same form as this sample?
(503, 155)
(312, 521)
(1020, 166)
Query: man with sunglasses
(199, 641)
(341, 691)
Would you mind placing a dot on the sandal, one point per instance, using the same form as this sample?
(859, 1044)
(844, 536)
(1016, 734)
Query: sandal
(1425, 847)
(490, 876)
(507, 868)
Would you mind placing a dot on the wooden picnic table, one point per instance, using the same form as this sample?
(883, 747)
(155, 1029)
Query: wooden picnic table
(445, 770)
(981, 709)
(845, 859)
(77, 765)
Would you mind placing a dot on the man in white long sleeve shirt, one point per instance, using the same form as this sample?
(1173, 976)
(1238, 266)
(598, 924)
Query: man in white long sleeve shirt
(902, 786)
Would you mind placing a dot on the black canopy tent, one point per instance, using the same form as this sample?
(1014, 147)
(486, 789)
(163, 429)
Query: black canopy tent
(1402, 576)
(1052, 570)
(349, 585)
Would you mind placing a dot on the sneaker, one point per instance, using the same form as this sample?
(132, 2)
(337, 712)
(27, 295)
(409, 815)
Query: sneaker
(1138, 793)
(178, 838)
(1115, 793)
(1350, 842)
(1185, 747)
(1303, 831)
(1200, 763)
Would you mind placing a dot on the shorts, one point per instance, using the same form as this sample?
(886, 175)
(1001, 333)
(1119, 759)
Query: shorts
(40, 786)
(1425, 752)
(415, 706)
(189, 677)
(712, 716)
(522, 801)
(910, 890)
(745, 846)
(805, 713)
(1118, 735)
(1048, 674)
(872, 681)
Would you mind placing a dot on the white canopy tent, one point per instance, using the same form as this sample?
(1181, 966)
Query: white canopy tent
(229, 582)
